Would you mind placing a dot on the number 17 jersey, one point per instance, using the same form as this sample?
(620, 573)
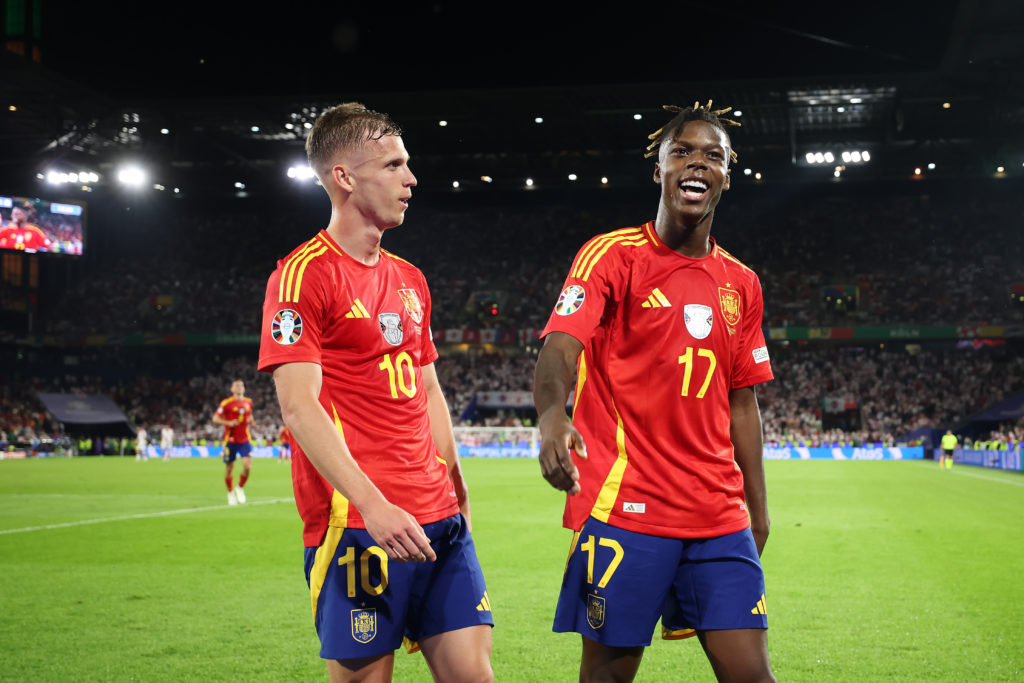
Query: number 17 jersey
(368, 327)
(665, 339)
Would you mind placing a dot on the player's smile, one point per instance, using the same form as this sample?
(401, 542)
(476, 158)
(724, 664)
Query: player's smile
(694, 188)
(693, 170)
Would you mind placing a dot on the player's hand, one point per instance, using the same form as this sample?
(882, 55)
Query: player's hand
(760, 533)
(398, 533)
(558, 439)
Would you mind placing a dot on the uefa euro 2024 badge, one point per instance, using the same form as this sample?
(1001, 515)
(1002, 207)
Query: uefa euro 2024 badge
(286, 328)
(570, 300)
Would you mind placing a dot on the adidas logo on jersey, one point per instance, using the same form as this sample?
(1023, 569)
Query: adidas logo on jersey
(656, 300)
(485, 604)
(358, 310)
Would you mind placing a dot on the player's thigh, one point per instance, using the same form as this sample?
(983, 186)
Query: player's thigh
(738, 654)
(377, 669)
(450, 593)
(615, 585)
(463, 655)
(605, 663)
(720, 586)
(247, 463)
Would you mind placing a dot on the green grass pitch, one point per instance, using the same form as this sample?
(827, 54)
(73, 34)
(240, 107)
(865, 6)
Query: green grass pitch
(115, 570)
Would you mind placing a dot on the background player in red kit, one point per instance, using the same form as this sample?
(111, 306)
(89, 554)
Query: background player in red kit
(661, 329)
(377, 480)
(235, 414)
(22, 235)
(285, 437)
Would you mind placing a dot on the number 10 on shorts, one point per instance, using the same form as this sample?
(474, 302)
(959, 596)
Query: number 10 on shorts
(348, 561)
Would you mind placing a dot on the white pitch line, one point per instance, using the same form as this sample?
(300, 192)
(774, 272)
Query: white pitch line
(958, 470)
(166, 513)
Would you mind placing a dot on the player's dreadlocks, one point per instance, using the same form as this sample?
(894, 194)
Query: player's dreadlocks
(684, 116)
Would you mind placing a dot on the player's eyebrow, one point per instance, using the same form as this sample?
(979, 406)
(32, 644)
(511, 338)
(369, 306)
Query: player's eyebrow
(689, 145)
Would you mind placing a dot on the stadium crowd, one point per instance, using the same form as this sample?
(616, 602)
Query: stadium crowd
(880, 394)
(903, 257)
(921, 264)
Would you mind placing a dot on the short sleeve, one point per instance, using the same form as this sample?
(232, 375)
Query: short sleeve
(587, 291)
(428, 352)
(292, 325)
(752, 364)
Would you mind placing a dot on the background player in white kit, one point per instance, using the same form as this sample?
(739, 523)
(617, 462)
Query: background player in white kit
(166, 441)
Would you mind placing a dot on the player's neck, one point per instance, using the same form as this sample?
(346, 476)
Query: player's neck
(692, 240)
(358, 239)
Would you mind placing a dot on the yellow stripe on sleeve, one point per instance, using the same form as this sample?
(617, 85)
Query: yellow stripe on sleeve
(288, 272)
(302, 269)
(595, 244)
(625, 241)
(397, 258)
(327, 243)
(321, 562)
(732, 258)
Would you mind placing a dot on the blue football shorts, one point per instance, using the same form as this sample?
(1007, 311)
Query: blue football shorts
(618, 583)
(236, 450)
(364, 605)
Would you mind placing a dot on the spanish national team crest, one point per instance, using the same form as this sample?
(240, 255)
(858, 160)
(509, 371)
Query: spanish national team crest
(570, 300)
(286, 328)
(364, 624)
(698, 319)
(391, 328)
(412, 304)
(595, 611)
(730, 300)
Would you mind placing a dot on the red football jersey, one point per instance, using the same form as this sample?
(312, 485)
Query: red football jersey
(29, 238)
(666, 338)
(232, 409)
(368, 327)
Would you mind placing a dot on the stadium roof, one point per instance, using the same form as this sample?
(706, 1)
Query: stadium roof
(232, 90)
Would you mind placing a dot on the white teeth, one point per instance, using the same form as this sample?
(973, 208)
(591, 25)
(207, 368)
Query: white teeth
(693, 186)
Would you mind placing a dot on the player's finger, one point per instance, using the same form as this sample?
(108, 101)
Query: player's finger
(578, 445)
(560, 472)
(417, 545)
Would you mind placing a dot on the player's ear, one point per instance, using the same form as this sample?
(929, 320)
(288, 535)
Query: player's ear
(657, 172)
(342, 177)
(728, 178)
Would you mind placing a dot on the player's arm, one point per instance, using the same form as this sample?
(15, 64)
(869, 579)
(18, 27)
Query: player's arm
(745, 430)
(552, 381)
(444, 437)
(223, 421)
(394, 529)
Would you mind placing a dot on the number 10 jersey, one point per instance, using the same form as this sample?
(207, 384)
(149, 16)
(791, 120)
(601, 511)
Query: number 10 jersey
(368, 327)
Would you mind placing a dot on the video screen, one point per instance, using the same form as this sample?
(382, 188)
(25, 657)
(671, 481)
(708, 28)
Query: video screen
(35, 225)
